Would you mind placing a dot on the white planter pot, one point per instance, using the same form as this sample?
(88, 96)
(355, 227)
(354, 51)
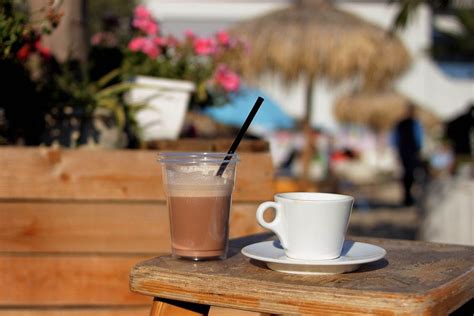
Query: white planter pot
(166, 105)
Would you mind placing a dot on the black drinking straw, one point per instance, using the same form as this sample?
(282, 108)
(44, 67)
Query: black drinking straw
(239, 136)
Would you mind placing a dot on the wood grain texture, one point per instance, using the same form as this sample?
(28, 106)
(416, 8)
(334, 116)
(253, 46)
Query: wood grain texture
(209, 145)
(134, 175)
(72, 227)
(416, 278)
(67, 280)
(73, 223)
(77, 311)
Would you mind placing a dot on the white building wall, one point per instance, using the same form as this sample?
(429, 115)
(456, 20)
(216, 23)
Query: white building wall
(424, 83)
(417, 34)
(428, 86)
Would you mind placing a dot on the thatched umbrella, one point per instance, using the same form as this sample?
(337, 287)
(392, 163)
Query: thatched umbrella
(380, 111)
(315, 39)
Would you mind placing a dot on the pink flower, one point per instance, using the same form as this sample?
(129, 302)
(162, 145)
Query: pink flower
(43, 51)
(136, 44)
(160, 41)
(227, 79)
(204, 46)
(143, 21)
(141, 12)
(148, 26)
(104, 38)
(145, 45)
(23, 53)
(172, 41)
(150, 48)
(223, 38)
(190, 35)
(96, 39)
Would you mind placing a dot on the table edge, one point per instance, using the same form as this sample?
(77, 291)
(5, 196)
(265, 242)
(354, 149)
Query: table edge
(430, 301)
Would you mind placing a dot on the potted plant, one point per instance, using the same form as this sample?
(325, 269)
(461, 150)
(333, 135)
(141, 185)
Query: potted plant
(86, 112)
(170, 74)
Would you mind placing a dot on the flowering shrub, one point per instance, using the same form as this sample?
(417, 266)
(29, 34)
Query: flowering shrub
(22, 79)
(202, 60)
(19, 38)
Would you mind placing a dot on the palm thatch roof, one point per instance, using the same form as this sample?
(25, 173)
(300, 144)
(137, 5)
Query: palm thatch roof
(380, 111)
(314, 38)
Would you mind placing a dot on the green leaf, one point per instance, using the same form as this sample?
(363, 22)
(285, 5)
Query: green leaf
(405, 13)
(120, 117)
(107, 78)
(114, 89)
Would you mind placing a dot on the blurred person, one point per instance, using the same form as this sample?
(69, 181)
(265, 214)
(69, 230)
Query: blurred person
(460, 133)
(408, 139)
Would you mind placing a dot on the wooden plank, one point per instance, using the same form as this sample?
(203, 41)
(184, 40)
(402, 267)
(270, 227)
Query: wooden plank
(108, 311)
(67, 280)
(98, 227)
(78, 311)
(415, 278)
(209, 145)
(134, 175)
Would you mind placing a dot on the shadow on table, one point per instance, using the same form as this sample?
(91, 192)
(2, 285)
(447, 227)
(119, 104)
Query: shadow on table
(372, 266)
(384, 230)
(236, 244)
(380, 264)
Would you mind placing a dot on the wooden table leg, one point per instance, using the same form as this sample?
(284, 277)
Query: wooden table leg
(176, 308)
(221, 311)
(162, 307)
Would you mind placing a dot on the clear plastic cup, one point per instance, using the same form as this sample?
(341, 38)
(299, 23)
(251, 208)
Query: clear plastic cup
(198, 202)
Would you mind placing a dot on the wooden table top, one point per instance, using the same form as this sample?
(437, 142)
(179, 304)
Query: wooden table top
(414, 278)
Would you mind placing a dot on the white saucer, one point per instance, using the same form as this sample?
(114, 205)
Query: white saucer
(353, 255)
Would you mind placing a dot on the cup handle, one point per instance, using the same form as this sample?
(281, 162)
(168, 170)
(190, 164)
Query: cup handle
(277, 224)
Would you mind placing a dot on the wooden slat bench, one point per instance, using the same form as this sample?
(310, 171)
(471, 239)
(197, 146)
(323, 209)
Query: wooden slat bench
(74, 222)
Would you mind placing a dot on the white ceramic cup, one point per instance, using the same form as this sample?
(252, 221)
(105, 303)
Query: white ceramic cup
(310, 226)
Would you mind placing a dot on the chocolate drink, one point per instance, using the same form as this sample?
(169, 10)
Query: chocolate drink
(199, 197)
(199, 224)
